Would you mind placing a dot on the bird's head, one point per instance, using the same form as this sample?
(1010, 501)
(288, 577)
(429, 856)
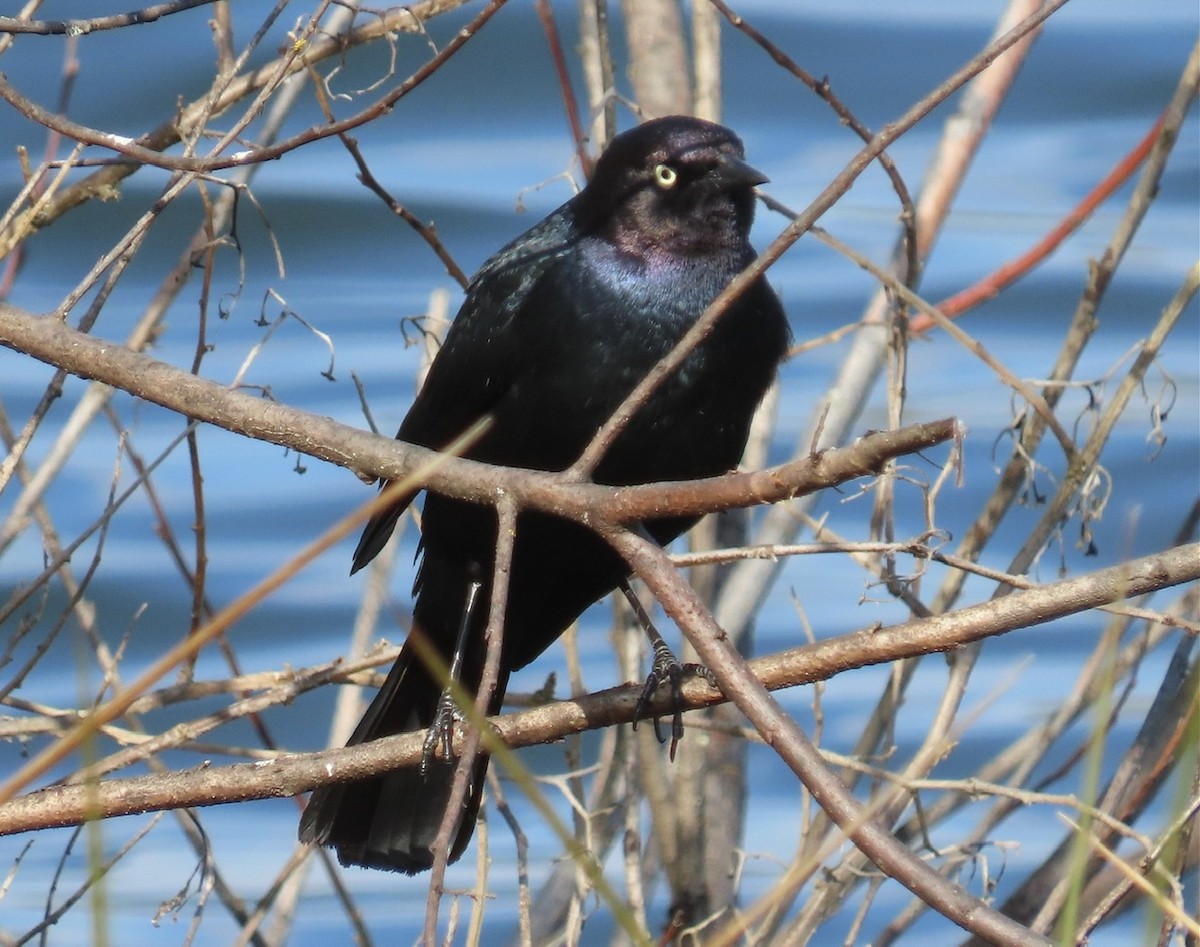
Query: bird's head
(674, 185)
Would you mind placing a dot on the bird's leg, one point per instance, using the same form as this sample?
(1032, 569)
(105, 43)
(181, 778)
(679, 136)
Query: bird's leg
(441, 727)
(665, 668)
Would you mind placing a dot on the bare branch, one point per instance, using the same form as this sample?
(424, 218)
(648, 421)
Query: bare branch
(375, 456)
(290, 774)
(9, 24)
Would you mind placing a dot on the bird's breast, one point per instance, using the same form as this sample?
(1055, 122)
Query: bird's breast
(618, 315)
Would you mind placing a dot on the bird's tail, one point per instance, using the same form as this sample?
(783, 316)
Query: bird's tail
(391, 821)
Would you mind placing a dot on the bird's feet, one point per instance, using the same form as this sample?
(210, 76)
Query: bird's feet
(440, 736)
(667, 669)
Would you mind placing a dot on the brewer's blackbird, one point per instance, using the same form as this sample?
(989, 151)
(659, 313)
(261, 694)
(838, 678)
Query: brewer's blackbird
(557, 328)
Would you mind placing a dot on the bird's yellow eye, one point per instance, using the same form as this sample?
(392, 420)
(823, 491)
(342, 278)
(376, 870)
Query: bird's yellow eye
(665, 176)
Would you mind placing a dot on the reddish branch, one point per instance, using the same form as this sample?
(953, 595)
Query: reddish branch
(1009, 273)
(546, 15)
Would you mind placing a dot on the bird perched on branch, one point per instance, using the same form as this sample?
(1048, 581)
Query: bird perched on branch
(556, 330)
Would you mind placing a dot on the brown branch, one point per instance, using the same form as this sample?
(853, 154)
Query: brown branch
(506, 534)
(546, 15)
(1155, 752)
(996, 282)
(803, 221)
(50, 341)
(895, 286)
(9, 24)
(104, 182)
(427, 232)
(824, 91)
(290, 774)
(322, 437)
(794, 747)
(1083, 326)
(1087, 459)
(45, 720)
(293, 62)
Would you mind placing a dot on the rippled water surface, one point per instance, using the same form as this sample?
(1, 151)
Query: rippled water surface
(484, 135)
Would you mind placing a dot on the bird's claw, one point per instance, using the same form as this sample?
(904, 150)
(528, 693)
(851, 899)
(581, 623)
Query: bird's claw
(440, 736)
(666, 669)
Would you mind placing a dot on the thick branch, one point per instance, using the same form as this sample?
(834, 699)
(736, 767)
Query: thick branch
(785, 736)
(289, 775)
(83, 355)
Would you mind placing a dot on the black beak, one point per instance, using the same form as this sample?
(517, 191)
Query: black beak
(732, 172)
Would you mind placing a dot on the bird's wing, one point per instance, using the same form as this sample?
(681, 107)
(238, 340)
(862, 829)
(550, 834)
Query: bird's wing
(484, 353)
(482, 356)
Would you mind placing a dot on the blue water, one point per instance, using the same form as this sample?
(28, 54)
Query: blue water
(484, 135)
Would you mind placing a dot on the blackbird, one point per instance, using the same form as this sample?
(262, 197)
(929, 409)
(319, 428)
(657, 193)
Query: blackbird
(556, 329)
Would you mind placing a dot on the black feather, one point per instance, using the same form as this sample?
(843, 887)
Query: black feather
(556, 329)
